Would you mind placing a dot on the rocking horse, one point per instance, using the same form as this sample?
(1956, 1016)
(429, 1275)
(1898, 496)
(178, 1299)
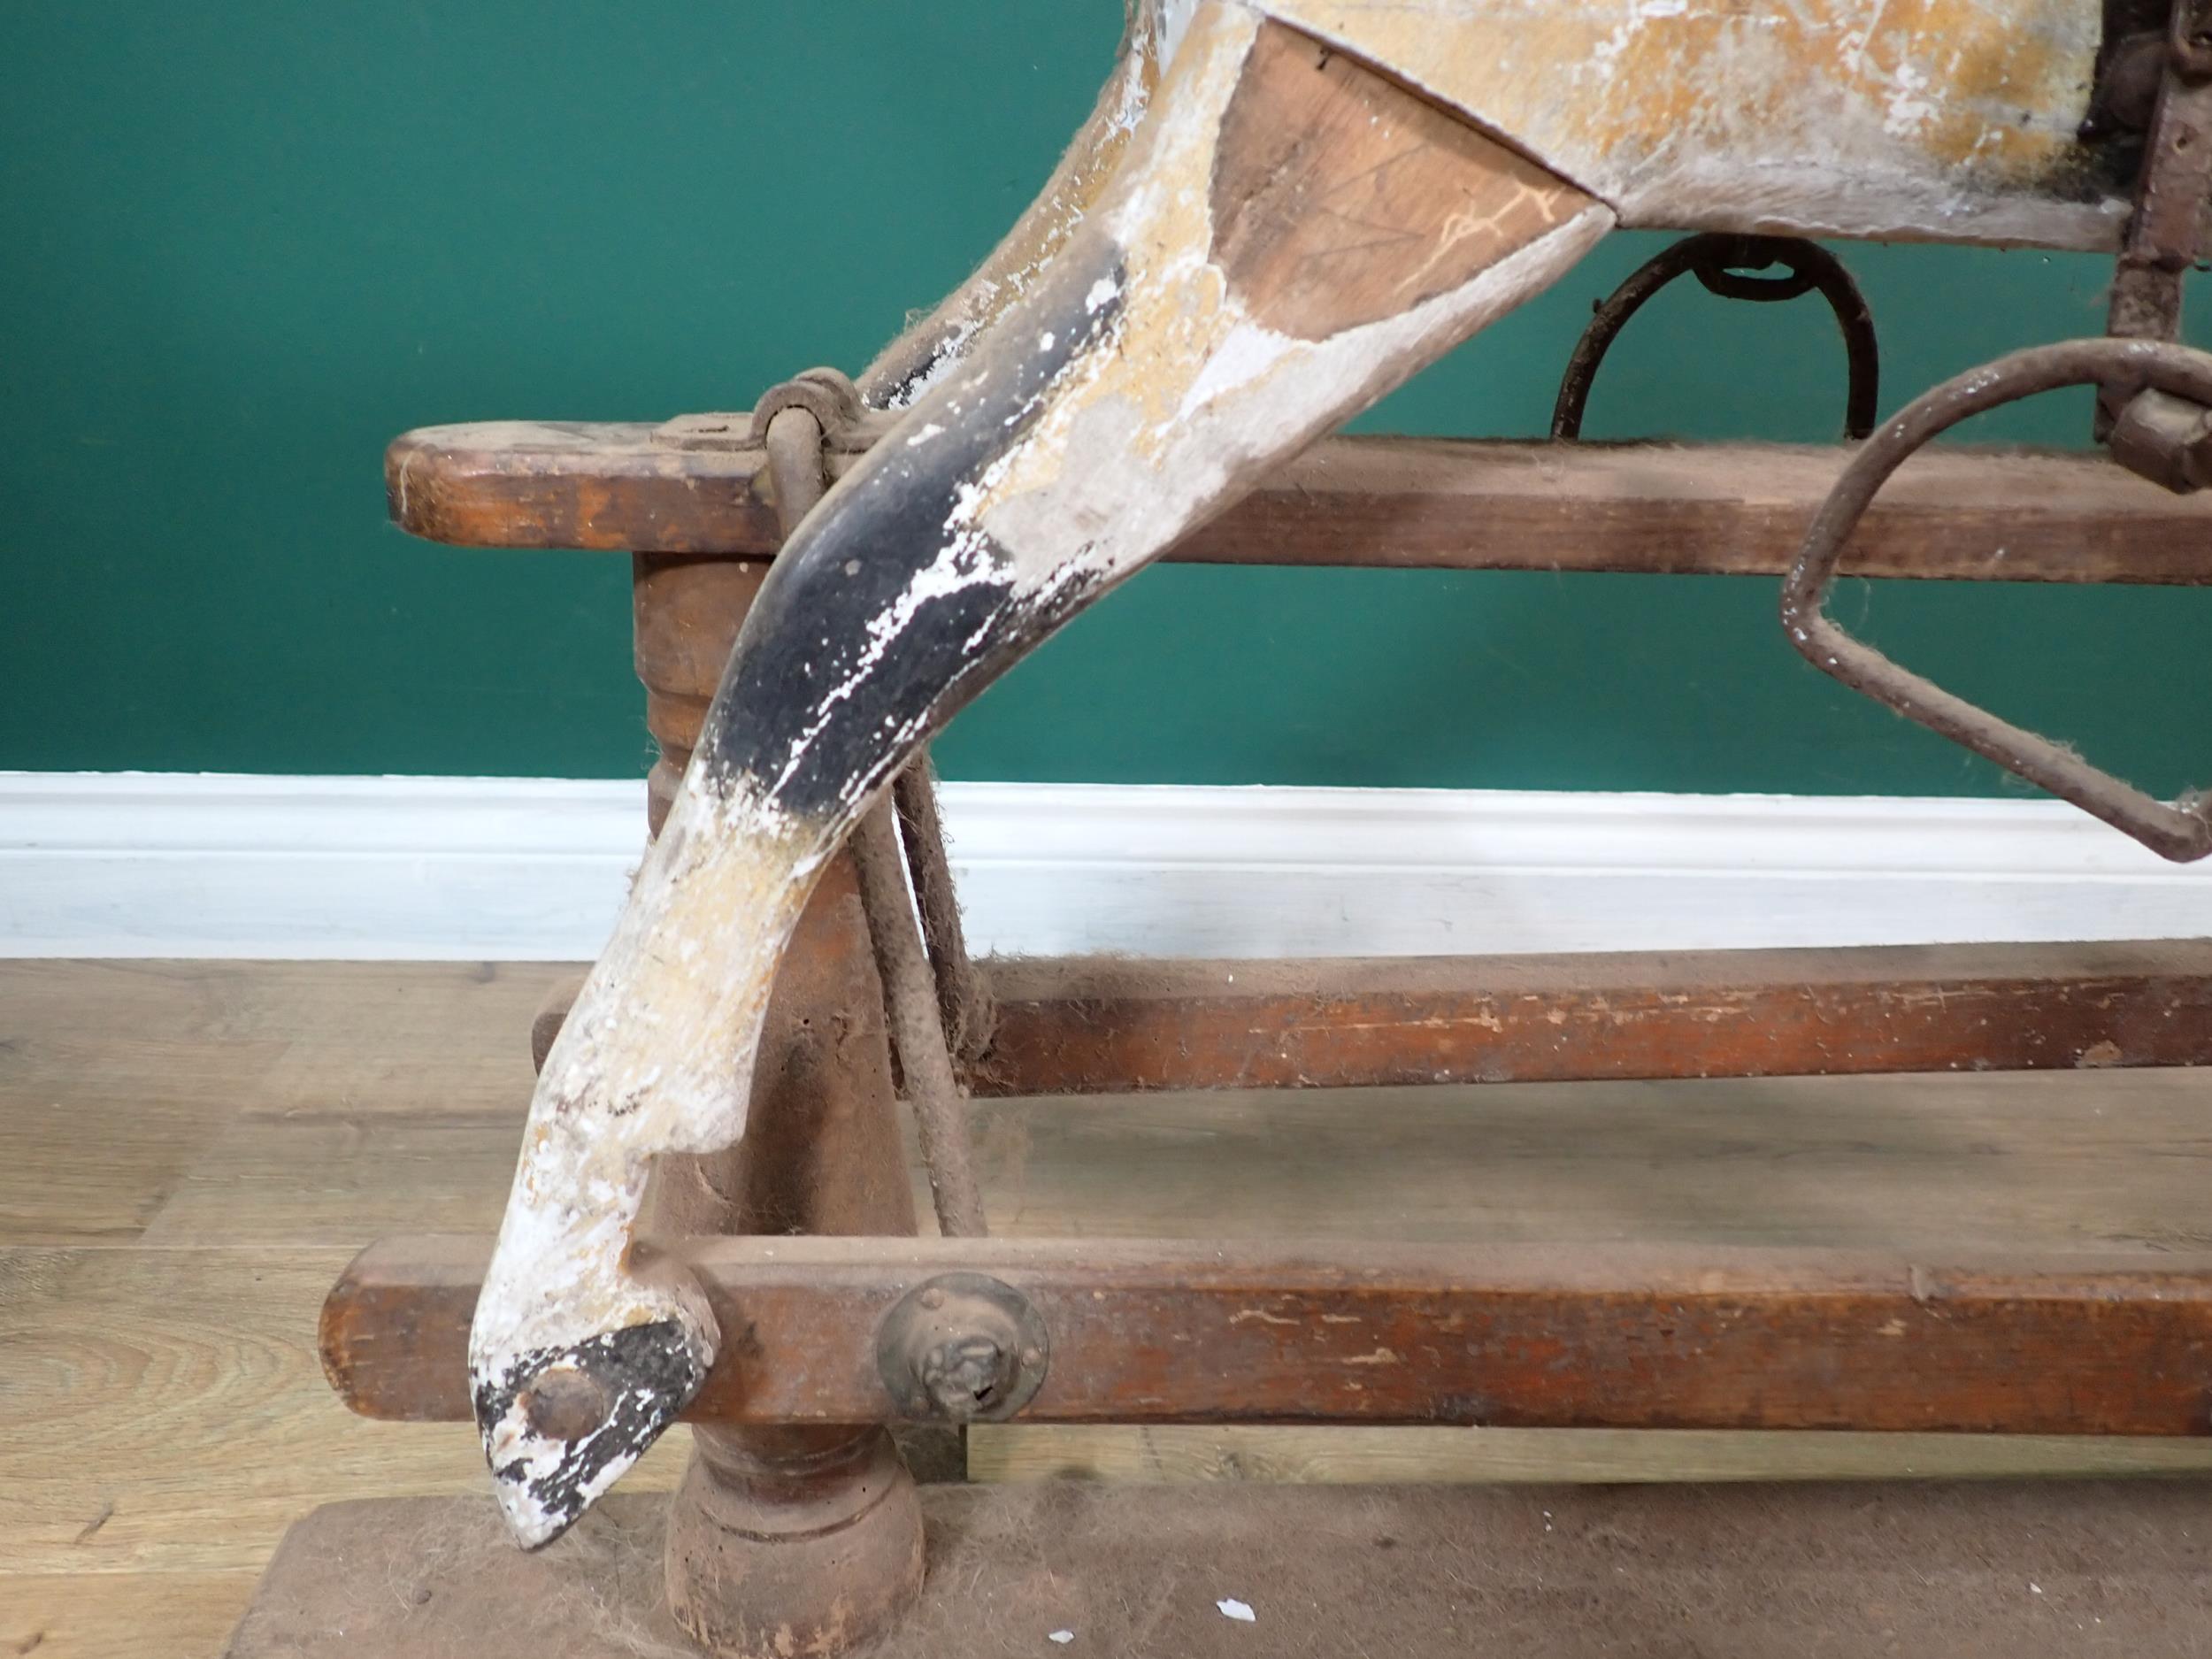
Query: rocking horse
(1280, 210)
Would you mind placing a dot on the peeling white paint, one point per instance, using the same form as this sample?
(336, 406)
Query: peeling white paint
(1139, 485)
(965, 562)
(656, 1056)
(1848, 117)
(955, 348)
(1185, 399)
(1249, 353)
(1911, 107)
(1175, 25)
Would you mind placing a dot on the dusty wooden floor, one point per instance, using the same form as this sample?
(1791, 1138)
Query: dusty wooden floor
(189, 1152)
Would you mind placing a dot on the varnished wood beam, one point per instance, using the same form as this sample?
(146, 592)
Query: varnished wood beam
(1117, 1025)
(1414, 503)
(1532, 1337)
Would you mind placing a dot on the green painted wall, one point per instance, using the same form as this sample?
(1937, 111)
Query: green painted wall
(248, 241)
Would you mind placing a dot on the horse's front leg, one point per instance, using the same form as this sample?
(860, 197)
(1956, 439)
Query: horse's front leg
(1292, 234)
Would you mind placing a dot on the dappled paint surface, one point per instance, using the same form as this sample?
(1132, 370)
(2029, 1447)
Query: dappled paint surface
(1139, 384)
(1922, 119)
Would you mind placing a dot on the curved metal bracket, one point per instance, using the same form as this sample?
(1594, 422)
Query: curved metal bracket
(1722, 264)
(2181, 831)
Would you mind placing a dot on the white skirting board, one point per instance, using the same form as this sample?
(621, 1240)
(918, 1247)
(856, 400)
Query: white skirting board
(150, 864)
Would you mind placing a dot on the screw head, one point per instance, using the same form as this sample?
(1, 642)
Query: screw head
(565, 1403)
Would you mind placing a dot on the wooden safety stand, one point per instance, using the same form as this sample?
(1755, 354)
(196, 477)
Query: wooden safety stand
(798, 1529)
(802, 1533)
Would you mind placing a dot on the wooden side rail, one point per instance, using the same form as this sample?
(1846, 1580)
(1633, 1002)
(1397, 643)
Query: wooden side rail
(1122, 1025)
(1117, 1025)
(1540, 1336)
(1974, 514)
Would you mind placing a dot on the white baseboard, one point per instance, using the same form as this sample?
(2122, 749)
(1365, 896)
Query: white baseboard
(95, 864)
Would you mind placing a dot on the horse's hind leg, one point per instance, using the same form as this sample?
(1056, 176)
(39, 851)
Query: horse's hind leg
(919, 356)
(1291, 235)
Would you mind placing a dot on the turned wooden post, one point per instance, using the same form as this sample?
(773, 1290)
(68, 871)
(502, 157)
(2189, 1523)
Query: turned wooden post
(785, 1541)
(781, 1540)
(685, 611)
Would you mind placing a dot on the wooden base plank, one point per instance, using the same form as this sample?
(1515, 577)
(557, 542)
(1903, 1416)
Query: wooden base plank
(1992, 1571)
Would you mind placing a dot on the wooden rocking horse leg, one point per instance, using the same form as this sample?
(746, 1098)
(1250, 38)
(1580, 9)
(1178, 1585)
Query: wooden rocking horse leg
(913, 362)
(1292, 234)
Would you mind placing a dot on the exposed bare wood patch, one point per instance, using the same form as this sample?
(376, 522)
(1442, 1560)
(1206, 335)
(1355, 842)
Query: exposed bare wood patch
(1341, 198)
(1946, 120)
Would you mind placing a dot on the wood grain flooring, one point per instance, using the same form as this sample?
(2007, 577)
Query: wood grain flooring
(190, 1151)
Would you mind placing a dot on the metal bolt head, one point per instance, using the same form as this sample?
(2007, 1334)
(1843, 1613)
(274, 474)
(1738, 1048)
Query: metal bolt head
(963, 1347)
(2165, 439)
(565, 1403)
(966, 1374)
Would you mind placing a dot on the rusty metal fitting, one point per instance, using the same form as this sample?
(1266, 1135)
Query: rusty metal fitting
(2189, 39)
(2165, 439)
(827, 394)
(916, 967)
(1722, 265)
(564, 1402)
(2181, 831)
(2130, 72)
(848, 425)
(964, 1347)
(797, 476)
(2166, 235)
